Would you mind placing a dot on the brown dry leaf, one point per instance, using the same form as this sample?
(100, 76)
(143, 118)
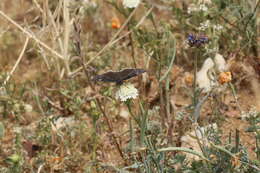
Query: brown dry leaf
(235, 162)
(233, 113)
(188, 79)
(30, 117)
(89, 91)
(31, 148)
(153, 90)
(176, 71)
(55, 159)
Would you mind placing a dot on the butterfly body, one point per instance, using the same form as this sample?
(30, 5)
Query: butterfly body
(118, 77)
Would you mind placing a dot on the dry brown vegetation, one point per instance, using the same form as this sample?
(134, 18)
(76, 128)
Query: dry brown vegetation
(42, 79)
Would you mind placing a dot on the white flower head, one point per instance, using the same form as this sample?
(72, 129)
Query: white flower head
(192, 8)
(203, 79)
(218, 27)
(203, 26)
(251, 113)
(203, 7)
(131, 3)
(220, 62)
(126, 91)
(197, 8)
(201, 132)
(65, 122)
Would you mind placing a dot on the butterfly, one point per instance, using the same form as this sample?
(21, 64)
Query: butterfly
(118, 77)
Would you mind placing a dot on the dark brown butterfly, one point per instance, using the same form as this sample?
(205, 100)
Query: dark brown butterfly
(118, 77)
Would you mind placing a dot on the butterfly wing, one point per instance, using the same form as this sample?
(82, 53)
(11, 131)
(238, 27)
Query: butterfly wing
(118, 77)
(129, 73)
(107, 77)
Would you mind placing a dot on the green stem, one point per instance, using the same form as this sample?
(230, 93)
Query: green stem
(195, 78)
(131, 145)
(131, 113)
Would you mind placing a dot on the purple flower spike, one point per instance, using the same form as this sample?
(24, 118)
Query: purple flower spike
(197, 41)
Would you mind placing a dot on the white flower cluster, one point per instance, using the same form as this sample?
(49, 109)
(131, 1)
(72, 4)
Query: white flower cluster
(211, 50)
(197, 8)
(204, 25)
(126, 91)
(251, 113)
(218, 27)
(205, 77)
(65, 122)
(131, 3)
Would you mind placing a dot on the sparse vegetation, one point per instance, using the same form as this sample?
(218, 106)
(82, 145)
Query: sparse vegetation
(194, 108)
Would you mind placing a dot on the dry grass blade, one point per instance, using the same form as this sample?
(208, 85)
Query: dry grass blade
(17, 62)
(31, 35)
(67, 28)
(113, 40)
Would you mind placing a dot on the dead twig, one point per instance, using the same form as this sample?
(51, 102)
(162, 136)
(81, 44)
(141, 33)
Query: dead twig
(114, 40)
(30, 35)
(17, 61)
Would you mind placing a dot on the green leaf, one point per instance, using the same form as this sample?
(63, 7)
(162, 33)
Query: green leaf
(187, 150)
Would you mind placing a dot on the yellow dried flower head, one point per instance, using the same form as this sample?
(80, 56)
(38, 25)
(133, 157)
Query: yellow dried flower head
(115, 23)
(188, 79)
(235, 161)
(224, 77)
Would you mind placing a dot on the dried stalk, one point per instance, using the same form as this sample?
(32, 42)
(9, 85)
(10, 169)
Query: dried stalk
(17, 62)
